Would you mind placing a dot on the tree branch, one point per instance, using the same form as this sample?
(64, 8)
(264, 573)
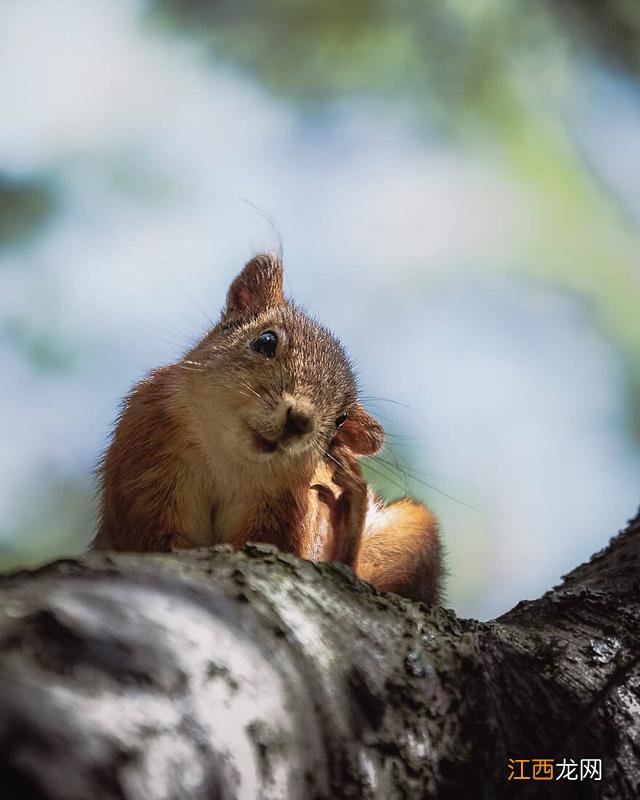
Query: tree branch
(214, 674)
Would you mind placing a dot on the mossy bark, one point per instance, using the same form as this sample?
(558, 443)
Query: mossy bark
(214, 674)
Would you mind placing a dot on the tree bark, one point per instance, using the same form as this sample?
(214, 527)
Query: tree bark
(214, 674)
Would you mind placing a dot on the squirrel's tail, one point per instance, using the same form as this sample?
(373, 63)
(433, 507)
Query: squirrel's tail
(401, 550)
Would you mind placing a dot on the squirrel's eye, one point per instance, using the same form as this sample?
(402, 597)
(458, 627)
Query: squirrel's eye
(265, 344)
(341, 419)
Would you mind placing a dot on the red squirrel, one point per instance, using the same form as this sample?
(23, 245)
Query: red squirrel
(255, 435)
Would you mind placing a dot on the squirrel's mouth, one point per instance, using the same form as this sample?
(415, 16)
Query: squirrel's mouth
(285, 442)
(263, 444)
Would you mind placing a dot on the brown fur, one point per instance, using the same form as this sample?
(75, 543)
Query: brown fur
(143, 470)
(232, 445)
(401, 553)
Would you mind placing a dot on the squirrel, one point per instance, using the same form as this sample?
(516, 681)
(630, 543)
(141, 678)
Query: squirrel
(254, 435)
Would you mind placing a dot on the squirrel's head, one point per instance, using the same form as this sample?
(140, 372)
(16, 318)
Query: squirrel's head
(272, 384)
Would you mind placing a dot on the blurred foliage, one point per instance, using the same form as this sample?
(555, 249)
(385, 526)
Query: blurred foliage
(468, 59)
(455, 52)
(25, 205)
(490, 75)
(37, 346)
(613, 27)
(56, 525)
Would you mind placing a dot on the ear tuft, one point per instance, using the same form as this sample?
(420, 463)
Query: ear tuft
(361, 433)
(257, 288)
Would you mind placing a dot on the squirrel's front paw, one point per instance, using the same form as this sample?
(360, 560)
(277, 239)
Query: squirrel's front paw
(350, 510)
(347, 472)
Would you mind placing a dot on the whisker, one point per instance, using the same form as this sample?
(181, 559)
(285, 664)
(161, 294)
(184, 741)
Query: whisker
(193, 300)
(415, 474)
(428, 485)
(236, 389)
(250, 388)
(335, 460)
(229, 372)
(385, 477)
(178, 345)
(371, 398)
(399, 436)
(398, 466)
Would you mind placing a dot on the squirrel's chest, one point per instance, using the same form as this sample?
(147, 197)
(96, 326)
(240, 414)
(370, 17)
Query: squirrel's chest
(210, 510)
(208, 519)
(293, 521)
(246, 517)
(233, 518)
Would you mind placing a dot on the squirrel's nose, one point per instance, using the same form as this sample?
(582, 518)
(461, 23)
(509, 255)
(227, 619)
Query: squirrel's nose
(297, 422)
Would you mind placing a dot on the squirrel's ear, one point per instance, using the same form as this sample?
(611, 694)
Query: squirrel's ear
(360, 432)
(257, 288)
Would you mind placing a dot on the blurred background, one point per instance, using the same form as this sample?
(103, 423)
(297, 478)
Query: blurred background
(456, 187)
